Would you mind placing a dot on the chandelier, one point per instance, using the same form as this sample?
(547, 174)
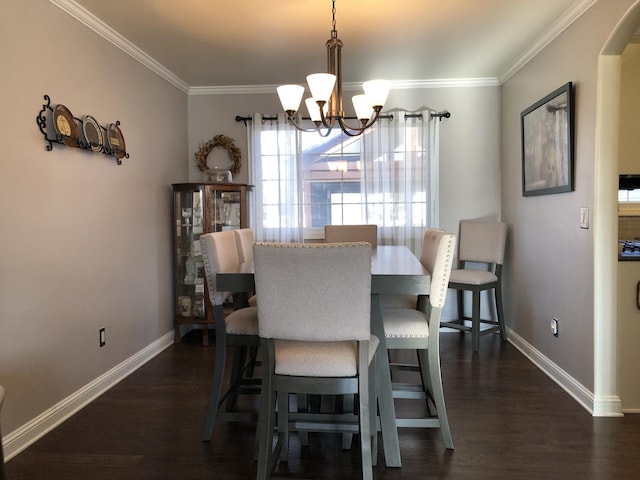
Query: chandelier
(325, 103)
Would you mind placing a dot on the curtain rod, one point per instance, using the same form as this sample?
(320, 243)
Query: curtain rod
(439, 115)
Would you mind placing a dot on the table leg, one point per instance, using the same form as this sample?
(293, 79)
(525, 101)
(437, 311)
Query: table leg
(385, 394)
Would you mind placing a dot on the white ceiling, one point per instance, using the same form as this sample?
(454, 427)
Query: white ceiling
(216, 43)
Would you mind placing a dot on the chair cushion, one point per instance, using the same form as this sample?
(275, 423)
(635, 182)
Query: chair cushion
(472, 277)
(319, 359)
(253, 301)
(405, 323)
(242, 322)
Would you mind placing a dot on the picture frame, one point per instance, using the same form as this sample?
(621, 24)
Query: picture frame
(547, 129)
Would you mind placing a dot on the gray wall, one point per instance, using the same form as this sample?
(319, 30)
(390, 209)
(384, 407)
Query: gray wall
(85, 243)
(469, 140)
(550, 259)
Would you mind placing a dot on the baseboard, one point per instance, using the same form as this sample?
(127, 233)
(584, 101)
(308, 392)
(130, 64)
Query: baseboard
(569, 384)
(18, 440)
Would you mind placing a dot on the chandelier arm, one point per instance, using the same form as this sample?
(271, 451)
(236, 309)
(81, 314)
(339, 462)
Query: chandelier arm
(355, 131)
(327, 122)
(291, 119)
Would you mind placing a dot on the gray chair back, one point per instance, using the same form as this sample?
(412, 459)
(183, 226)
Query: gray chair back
(308, 290)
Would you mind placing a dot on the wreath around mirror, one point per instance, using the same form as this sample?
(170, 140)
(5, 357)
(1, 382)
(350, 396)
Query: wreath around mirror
(219, 141)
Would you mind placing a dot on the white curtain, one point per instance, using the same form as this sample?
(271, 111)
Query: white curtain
(400, 177)
(276, 214)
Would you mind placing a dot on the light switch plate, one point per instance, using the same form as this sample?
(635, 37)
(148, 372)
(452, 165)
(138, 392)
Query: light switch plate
(584, 217)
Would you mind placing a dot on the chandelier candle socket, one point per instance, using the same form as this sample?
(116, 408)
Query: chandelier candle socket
(325, 103)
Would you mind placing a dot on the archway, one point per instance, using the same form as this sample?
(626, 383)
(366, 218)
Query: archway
(606, 401)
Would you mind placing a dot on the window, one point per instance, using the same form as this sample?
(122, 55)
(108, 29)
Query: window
(386, 176)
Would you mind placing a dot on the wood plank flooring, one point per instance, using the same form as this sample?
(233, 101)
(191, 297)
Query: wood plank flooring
(509, 421)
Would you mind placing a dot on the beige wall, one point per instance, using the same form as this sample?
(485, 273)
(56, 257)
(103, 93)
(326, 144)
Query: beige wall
(550, 266)
(85, 243)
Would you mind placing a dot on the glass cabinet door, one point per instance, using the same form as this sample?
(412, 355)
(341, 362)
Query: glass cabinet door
(189, 269)
(226, 211)
(200, 208)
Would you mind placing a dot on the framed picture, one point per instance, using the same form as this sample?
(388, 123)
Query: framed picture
(547, 144)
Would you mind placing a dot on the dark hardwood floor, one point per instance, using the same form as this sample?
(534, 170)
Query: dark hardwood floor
(509, 421)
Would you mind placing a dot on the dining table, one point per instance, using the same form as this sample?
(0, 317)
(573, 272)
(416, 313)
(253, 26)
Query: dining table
(394, 270)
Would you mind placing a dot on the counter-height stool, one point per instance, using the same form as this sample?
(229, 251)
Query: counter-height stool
(237, 329)
(315, 328)
(480, 258)
(418, 329)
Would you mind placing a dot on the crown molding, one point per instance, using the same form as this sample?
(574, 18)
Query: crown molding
(352, 86)
(559, 26)
(98, 26)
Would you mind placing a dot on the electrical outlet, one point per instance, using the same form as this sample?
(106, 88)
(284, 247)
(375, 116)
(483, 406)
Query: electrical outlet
(102, 337)
(554, 327)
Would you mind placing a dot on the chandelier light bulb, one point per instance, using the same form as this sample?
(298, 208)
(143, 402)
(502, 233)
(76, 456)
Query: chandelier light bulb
(362, 106)
(314, 109)
(377, 91)
(321, 85)
(290, 97)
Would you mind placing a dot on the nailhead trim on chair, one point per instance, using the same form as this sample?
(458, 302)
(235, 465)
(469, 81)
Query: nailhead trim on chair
(440, 291)
(314, 245)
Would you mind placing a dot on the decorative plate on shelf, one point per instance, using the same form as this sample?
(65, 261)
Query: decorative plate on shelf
(92, 132)
(116, 140)
(66, 126)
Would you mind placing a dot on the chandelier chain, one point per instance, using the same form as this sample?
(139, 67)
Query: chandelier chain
(333, 14)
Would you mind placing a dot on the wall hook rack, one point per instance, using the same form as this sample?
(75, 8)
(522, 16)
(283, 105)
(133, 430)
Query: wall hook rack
(59, 126)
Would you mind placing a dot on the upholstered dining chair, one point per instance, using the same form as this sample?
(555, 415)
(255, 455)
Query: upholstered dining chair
(351, 233)
(237, 329)
(418, 329)
(245, 240)
(480, 258)
(314, 325)
(1, 451)
(365, 233)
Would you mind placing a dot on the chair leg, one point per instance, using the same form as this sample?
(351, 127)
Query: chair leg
(460, 303)
(425, 377)
(373, 412)
(475, 320)
(266, 424)
(500, 312)
(283, 424)
(302, 403)
(347, 406)
(432, 356)
(237, 372)
(364, 419)
(216, 388)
